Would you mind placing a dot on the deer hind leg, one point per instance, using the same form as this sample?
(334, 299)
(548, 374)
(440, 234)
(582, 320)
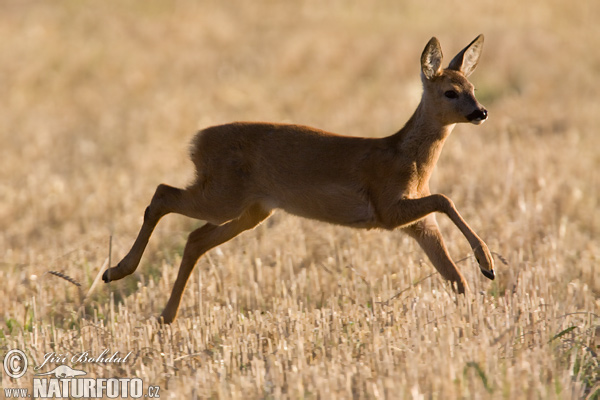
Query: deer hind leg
(203, 239)
(427, 233)
(168, 199)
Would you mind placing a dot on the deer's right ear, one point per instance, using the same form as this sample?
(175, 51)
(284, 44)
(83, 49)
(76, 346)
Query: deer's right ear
(431, 59)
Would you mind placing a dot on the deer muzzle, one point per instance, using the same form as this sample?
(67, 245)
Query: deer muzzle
(478, 116)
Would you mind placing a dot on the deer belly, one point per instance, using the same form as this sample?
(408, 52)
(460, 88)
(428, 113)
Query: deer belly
(334, 204)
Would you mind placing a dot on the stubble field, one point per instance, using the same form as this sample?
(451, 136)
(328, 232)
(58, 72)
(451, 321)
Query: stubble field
(99, 101)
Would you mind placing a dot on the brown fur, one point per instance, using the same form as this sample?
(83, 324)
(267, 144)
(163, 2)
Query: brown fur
(247, 170)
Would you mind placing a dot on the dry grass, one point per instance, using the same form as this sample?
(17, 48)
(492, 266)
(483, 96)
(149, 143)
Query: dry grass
(99, 102)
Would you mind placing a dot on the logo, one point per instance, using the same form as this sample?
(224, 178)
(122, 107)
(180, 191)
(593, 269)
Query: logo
(64, 371)
(15, 364)
(64, 381)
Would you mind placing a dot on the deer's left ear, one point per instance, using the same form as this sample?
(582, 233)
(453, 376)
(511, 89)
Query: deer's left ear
(467, 59)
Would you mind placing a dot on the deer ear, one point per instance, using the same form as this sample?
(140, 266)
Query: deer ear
(467, 59)
(431, 59)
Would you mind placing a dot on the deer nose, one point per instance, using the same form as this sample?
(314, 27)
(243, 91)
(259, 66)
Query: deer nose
(478, 116)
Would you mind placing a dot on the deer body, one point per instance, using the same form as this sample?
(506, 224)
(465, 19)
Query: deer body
(310, 173)
(244, 171)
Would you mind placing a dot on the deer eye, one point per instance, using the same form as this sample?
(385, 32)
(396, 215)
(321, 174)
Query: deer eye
(451, 94)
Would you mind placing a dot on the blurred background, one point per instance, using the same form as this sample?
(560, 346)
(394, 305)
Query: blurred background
(99, 102)
(100, 99)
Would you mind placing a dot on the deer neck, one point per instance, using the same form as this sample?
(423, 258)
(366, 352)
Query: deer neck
(421, 140)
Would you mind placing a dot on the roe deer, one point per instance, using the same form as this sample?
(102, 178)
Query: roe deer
(246, 170)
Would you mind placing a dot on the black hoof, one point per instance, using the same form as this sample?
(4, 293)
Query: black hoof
(488, 274)
(105, 277)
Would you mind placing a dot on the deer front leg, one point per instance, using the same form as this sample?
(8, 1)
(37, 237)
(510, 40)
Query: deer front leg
(408, 211)
(427, 233)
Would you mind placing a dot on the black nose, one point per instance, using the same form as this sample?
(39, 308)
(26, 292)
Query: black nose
(478, 115)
